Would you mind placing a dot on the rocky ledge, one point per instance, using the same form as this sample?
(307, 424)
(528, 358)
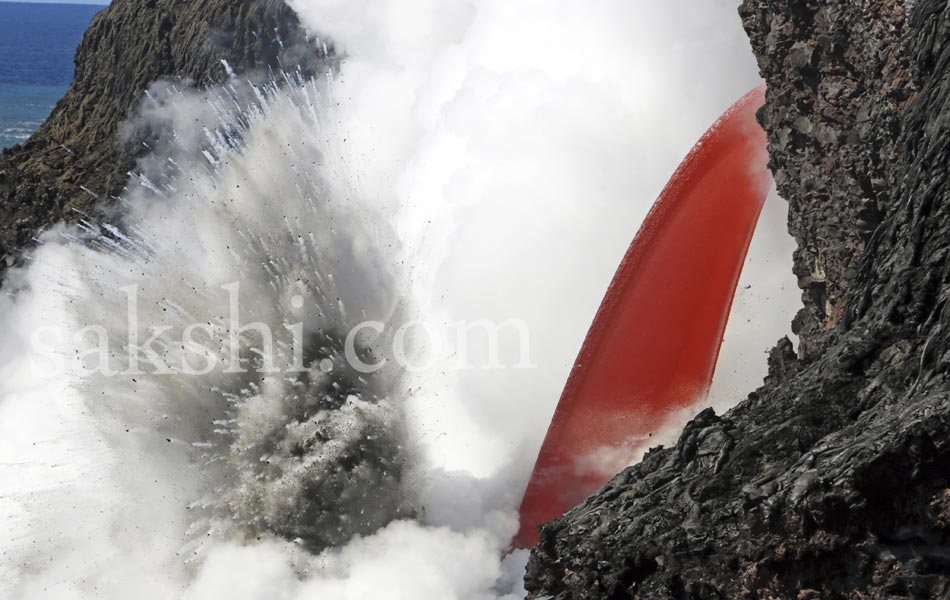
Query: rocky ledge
(831, 481)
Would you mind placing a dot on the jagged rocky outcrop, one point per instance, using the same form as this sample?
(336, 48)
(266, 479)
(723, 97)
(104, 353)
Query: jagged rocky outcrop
(832, 481)
(839, 78)
(128, 46)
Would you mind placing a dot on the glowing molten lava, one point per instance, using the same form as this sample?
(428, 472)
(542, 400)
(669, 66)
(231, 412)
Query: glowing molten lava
(654, 342)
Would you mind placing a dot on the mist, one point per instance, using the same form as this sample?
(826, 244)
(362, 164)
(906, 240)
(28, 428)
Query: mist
(527, 141)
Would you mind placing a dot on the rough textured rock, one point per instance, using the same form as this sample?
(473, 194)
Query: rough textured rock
(128, 46)
(838, 81)
(831, 481)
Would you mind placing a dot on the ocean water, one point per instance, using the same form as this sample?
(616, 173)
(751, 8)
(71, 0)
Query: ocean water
(37, 44)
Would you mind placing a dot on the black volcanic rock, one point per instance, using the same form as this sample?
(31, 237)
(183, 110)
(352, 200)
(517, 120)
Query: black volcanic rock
(128, 46)
(833, 480)
(839, 79)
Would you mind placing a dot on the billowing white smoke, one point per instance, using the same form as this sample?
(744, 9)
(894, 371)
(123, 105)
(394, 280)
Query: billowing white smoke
(529, 139)
(206, 434)
(471, 161)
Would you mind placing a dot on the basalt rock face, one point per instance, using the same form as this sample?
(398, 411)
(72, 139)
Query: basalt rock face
(78, 155)
(839, 79)
(832, 481)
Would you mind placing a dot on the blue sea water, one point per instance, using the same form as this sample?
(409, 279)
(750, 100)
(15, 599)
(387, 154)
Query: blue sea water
(37, 44)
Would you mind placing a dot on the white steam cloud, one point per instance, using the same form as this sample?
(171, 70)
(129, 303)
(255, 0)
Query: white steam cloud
(470, 161)
(528, 140)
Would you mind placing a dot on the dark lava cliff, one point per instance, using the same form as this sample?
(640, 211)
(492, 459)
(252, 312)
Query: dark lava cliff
(128, 46)
(833, 480)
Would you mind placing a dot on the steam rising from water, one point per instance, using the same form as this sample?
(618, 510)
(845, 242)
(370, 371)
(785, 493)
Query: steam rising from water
(468, 162)
(263, 225)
